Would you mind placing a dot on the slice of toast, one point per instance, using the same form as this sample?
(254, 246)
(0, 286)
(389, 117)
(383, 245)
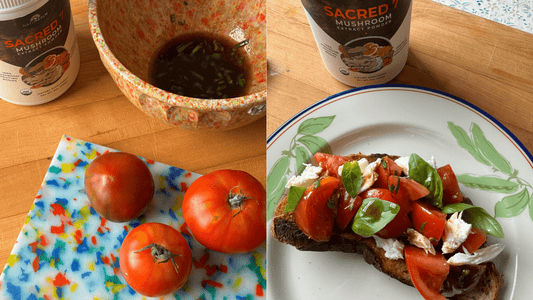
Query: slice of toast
(483, 283)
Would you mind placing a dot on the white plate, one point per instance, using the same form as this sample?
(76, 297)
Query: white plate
(399, 120)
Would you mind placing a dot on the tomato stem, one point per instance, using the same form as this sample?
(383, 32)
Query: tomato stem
(161, 254)
(235, 200)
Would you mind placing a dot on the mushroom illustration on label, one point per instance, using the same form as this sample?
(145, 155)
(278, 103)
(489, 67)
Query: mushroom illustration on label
(47, 68)
(367, 55)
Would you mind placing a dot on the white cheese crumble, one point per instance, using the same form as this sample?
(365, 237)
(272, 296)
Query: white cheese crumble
(478, 257)
(368, 170)
(370, 175)
(403, 162)
(393, 247)
(432, 162)
(363, 163)
(308, 176)
(456, 232)
(419, 240)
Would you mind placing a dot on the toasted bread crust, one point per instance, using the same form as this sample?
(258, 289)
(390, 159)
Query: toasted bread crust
(285, 230)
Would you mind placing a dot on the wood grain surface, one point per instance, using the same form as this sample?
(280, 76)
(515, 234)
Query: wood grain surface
(483, 62)
(95, 110)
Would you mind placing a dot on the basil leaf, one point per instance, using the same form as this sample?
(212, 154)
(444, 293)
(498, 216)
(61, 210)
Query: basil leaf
(422, 172)
(480, 218)
(422, 226)
(352, 177)
(373, 215)
(317, 184)
(456, 207)
(295, 193)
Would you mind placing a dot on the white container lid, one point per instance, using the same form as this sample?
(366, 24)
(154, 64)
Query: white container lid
(13, 9)
(7, 4)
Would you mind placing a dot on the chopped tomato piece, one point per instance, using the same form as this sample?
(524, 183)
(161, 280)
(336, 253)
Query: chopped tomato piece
(427, 271)
(330, 162)
(347, 209)
(383, 194)
(400, 223)
(386, 194)
(428, 220)
(474, 240)
(396, 227)
(386, 168)
(399, 192)
(406, 188)
(451, 191)
(313, 214)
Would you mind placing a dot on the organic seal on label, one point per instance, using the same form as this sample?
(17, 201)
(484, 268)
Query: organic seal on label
(361, 42)
(39, 55)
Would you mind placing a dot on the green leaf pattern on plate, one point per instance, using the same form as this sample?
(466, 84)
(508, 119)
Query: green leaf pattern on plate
(302, 156)
(488, 183)
(513, 205)
(276, 181)
(315, 125)
(315, 144)
(488, 150)
(509, 183)
(466, 143)
(303, 145)
(306, 143)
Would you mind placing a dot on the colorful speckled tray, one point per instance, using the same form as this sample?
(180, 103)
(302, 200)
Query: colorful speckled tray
(66, 251)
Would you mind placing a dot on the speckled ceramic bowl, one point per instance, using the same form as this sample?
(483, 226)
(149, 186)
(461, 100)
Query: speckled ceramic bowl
(128, 34)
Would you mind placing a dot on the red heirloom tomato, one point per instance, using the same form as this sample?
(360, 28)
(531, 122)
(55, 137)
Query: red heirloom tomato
(226, 211)
(450, 185)
(427, 271)
(312, 213)
(119, 186)
(406, 188)
(474, 240)
(428, 220)
(330, 162)
(155, 259)
(400, 223)
(347, 208)
(386, 168)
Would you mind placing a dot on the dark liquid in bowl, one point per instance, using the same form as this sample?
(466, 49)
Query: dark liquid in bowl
(202, 66)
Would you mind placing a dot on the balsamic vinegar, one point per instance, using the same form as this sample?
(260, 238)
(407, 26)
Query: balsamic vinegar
(202, 66)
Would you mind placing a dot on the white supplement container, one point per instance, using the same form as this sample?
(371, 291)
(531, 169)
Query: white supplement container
(362, 42)
(39, 55)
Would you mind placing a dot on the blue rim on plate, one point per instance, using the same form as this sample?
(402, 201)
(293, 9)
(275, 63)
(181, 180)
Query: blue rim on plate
(416, 120)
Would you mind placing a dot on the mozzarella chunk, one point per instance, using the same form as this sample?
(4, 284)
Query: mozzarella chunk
(393, 247)
(308, 176)
(363, 163)
(370, 175)
(419, 240)
(478, 257)
(403, 162)
(369, 172)
(456, 232)
(432, 162)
